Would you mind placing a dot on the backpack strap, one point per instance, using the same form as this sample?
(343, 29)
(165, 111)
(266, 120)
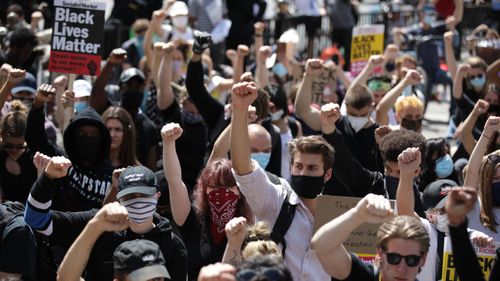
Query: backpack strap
(283, 222)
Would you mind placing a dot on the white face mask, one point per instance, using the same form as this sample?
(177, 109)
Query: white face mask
(442, 223)
(357, 123)
(275, 116)
(180, 21)
(140, 209)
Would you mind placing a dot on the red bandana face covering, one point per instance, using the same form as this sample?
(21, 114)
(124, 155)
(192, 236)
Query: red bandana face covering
(222, 203)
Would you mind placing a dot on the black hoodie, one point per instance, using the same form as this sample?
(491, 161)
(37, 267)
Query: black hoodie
(84, 187)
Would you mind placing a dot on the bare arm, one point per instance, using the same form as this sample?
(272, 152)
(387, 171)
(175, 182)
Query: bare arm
(262, 73)
(449, 54)
(221, 146)
(242, 52)
(179, 197)
(457, 81)
(60, 83)
(311, 116)
(409, 165)
(373, 62)
(156, 20)
(165, 93)
(467, 138)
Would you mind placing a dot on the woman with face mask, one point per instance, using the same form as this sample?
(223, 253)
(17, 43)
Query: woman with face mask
(17, 172)
(216, 200)
(438, 163)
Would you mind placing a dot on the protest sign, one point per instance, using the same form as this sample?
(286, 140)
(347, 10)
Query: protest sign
(367, 40)
(324, 86)
(485, 257)
(363, 240)
(77, 37)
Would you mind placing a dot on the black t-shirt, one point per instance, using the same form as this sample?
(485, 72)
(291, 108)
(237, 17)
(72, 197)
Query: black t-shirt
(17, 187)
(18, 249)
(199, 244)
(147, 136)
(360, 271)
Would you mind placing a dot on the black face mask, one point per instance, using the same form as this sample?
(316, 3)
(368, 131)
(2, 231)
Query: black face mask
(87, 148)
(306, 186)
(391, 185)
(494, 108)
(390, 66)
(410, 124)
(131, 100)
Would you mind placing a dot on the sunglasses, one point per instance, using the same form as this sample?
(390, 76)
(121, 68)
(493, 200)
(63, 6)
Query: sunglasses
(410, 260)
(494, 158)
(263, 273)
(472, 77)
(14, 146)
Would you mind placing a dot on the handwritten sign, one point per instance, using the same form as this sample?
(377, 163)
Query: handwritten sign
(485, 257)
(363, 240)
(367, 40)
(77, 37)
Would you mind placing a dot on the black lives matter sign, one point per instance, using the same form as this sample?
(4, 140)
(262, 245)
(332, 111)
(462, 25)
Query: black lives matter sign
(77, 37)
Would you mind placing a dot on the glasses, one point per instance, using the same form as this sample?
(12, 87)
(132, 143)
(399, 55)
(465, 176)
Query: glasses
(14, 146)
(479, 76)
(410, 260)
(264, 273)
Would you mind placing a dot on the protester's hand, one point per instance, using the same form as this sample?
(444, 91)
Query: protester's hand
(409, 161)
(492, 125)
(116, 176)
(448, 37)
(36, 17)
(264, 53)
(68, 99)
(58, 167)
(376, 60)
(217, 272)
(171, 132)
(481, 239)
(158, 17)
(168, 50)
(314, 67)
(231, 55)
(396, 31)
(464, 69)
(460, 202)
(4, 72)
(391, 52)
(117, 56)
(258, 27)
(111, 217)
(40, 161)
(60, 82)
(451, 22)
(243, 95)
(252, 114)
(246, 77)
(373, 209)
(242, 50)
(15, 76)
(158, 47)
(202, 41)
(381, 132)
(330, 114)
(236, 231)
(413, 77)
(480, 107)
(45, 93)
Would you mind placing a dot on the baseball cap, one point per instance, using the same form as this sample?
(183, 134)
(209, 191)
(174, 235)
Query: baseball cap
(178, 8)
(131, 73)
(137, 179)
(27, 85)
(142, 258)
(436, 193)
(82, 88)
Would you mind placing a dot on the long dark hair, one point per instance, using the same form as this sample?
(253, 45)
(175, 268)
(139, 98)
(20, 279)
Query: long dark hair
(436, 148)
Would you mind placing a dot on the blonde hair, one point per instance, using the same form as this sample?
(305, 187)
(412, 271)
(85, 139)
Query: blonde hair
(403, 227)
(486, 176)
(258, 242)
(410, 101)
(476, 62)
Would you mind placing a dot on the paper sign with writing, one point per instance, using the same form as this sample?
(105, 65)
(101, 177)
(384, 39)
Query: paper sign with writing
(77, 37)
(363, 240)
(367, 40)
(485, 257)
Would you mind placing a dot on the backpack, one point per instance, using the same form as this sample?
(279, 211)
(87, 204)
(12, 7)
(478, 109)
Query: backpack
(285, 217)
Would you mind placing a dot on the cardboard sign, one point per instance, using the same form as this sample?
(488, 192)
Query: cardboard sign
(485, 257)
(363, 240)
(367, 40)
(77, 37)
(324, 84)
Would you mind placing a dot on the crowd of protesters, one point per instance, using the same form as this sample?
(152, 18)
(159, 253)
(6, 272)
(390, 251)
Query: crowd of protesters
(200, 150)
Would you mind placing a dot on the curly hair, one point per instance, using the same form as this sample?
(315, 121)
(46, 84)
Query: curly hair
(397, 141)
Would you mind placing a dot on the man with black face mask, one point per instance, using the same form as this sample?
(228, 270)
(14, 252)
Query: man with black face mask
(86, 143)
(310, 160)
(360, 180)
(129, 95)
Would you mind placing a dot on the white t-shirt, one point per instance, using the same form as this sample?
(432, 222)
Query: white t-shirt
(475, 222)
(429, 269)
(391, 113)
(285, 156)
(186, 36)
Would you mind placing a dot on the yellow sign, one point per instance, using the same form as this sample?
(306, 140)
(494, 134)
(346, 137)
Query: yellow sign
(366, 41)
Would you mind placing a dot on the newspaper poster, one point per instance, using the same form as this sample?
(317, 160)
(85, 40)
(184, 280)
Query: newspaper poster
(363, 240)
(485, 257)
(77, 37)
(367, 40)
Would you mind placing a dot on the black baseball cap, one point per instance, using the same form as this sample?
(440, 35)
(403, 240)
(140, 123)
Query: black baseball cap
(137, 179)
(436, 193)
(131, 73)
(28, 84)
(142, 258)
